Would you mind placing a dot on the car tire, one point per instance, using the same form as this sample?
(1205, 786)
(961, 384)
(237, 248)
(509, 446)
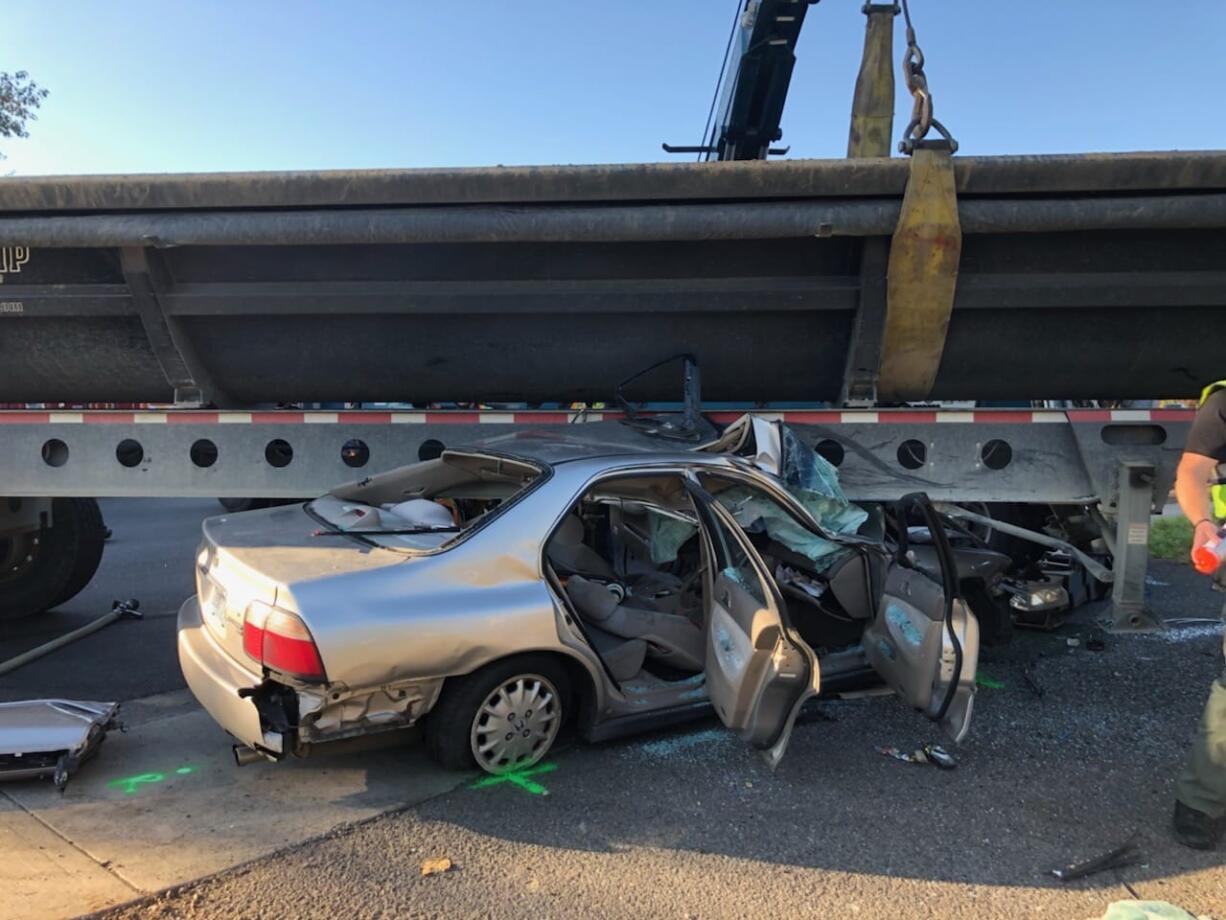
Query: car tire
(60, 562)
(453, 727)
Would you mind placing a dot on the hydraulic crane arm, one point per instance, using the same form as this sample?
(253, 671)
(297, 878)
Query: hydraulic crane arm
(754, 82)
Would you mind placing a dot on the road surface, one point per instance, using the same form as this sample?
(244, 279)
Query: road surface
(685, 823)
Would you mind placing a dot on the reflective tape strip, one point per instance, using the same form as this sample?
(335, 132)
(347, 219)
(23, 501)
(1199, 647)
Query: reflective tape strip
(564, 417)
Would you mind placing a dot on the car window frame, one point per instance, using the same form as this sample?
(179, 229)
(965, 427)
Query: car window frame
(463, 535)
(623, 473)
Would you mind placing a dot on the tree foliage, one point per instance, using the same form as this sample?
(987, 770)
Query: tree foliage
(19, 98)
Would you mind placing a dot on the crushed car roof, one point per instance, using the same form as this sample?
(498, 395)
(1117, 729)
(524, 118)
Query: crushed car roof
(562, 443)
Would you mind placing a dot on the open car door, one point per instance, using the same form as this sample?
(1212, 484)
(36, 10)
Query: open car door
(924, 640)
(758, 671)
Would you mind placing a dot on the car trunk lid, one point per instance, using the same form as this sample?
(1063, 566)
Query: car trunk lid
(259, 555)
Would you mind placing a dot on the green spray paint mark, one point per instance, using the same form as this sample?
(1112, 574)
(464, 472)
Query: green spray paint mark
(131, 784)
(991, 683)
(519, 778)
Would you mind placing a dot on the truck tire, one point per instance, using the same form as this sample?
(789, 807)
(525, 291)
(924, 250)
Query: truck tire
(45, 568)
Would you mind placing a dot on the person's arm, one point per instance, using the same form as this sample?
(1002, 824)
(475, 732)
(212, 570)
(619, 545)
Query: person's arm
(1192, 481)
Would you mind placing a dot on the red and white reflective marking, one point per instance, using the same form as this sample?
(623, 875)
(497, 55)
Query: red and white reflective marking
(565, 417)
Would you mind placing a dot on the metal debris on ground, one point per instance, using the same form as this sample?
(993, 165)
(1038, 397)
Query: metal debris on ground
(1123, 855)
(436, 866)
(929, 753)
(120, 610)
(51, 737)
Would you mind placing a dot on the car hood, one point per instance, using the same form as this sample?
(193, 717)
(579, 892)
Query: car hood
(282, 546)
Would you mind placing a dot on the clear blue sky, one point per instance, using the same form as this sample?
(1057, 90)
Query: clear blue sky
(141, 86)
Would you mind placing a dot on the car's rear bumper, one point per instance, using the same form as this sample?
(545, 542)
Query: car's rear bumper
(215, 679)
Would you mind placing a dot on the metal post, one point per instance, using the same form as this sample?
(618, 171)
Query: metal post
(1136, 499)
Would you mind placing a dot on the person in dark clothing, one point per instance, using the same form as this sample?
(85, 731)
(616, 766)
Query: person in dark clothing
(1200, 796)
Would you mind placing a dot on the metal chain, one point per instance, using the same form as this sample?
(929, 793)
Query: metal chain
(922, 120)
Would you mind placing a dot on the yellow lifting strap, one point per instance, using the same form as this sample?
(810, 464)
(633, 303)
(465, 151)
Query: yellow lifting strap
(922, 277)
(872, 107)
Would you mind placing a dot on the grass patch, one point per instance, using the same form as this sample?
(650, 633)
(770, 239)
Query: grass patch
(1171, 538)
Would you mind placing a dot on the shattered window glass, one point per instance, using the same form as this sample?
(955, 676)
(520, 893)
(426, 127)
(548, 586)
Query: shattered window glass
(756, 512)
(814, 482)
(735, 563)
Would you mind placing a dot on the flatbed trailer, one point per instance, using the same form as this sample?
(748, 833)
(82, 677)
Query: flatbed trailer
(1119, 462)
(1079, 277)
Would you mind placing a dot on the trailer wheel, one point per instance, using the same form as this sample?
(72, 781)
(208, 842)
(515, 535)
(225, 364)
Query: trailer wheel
(44, 568)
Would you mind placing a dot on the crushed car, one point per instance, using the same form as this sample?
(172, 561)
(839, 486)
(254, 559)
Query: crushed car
(600, 579)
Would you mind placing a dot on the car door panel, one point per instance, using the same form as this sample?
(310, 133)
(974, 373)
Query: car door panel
(758, 673)
(924, 648)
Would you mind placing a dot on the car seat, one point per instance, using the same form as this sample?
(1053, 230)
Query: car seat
(671, 639)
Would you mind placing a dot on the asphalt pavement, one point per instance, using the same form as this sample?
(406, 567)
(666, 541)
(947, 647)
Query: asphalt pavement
(1072, 752)
(149, 557)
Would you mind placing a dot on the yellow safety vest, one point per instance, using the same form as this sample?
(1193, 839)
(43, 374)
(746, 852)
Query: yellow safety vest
(1218, 492)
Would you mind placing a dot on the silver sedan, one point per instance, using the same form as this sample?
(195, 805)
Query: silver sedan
(504, 593)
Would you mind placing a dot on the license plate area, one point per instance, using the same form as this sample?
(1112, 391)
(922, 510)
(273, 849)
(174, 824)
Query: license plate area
(213, 607)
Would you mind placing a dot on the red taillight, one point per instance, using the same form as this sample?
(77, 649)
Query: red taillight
(278, 640)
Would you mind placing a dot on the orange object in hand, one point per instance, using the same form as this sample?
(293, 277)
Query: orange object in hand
(1207, 558)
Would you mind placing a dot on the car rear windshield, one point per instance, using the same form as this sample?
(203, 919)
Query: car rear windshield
(430, 505)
